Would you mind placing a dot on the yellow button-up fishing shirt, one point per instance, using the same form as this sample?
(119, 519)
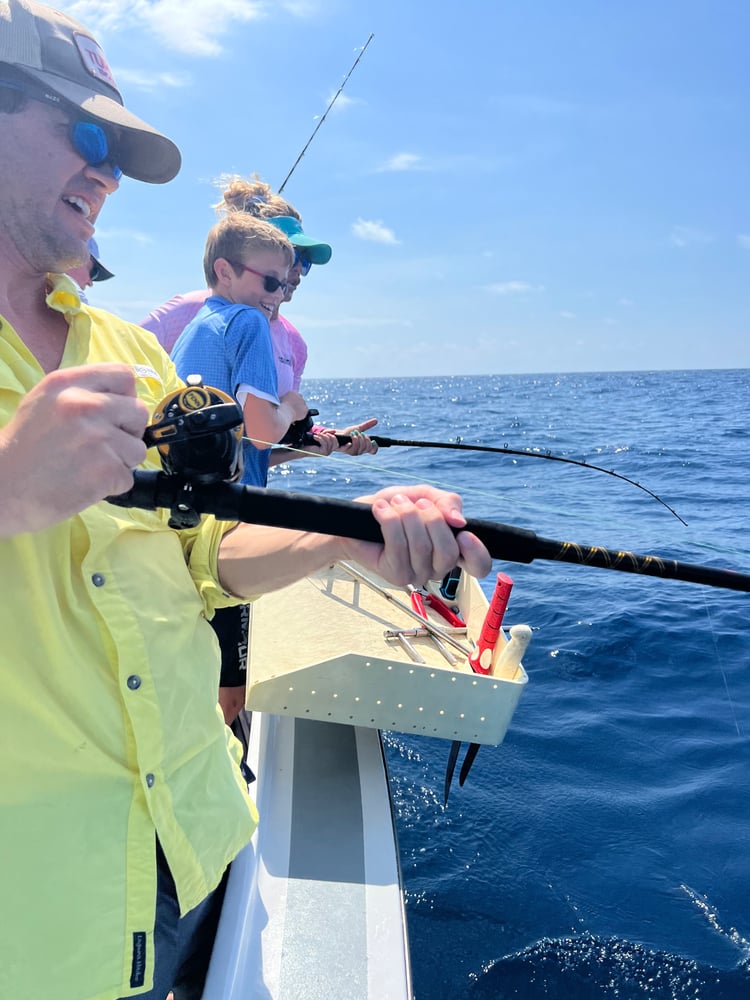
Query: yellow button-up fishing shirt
(109, 730)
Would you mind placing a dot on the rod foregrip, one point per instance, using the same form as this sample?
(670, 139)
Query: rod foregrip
(381, 442)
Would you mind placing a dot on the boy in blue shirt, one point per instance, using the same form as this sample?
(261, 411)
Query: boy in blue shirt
(246, 262)
(228, 343)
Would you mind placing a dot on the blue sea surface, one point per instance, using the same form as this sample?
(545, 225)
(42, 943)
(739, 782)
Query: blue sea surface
(603, 850)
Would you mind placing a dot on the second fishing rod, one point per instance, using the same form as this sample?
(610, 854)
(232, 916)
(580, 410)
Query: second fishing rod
(300, 435)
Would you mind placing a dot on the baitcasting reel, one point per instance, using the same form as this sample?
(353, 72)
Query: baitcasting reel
(198, 434)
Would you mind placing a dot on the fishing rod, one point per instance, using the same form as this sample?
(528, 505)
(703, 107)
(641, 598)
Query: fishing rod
(325, 114)
(188, 499)
(197, 431)
(300, 434)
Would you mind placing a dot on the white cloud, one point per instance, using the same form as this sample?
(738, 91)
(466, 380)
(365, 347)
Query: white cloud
(567, 315)
(444, 163)
(743, 240)
(99, 16)
(625, 302)
(152, 81)
(343, 102)
(402, 161)
(513, 288)
(684, 236)
(191, 26)
(301, 8)
(374, 231)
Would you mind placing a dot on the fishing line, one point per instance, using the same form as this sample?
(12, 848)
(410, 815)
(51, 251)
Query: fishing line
(325, 113)
(720, 665)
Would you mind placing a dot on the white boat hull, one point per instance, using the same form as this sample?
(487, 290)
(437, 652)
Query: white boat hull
(314, 905)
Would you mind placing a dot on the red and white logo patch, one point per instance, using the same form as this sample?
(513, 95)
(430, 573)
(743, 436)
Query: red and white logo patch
(94, 59)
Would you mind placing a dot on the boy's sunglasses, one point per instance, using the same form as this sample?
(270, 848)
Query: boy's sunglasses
(270, 284)
(302, 261)
(89, 140)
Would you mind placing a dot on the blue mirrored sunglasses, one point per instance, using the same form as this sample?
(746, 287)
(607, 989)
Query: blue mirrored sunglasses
(89, 140)
(303, 261)
(92, 143)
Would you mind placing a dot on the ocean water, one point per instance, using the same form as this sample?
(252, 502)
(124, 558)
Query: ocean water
(604, 849)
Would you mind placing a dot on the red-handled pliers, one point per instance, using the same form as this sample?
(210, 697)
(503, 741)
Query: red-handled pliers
(421, 597)
(417, 601)
(443, 609)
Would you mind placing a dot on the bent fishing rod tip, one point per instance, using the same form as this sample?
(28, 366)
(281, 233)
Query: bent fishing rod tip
(458, 445)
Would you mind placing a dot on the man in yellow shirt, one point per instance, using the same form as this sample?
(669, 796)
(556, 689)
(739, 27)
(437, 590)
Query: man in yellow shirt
(121, 803)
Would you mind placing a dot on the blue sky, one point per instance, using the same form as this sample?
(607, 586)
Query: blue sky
(507, 186)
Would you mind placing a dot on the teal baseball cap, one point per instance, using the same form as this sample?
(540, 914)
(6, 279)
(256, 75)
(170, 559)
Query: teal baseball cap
(319, 253)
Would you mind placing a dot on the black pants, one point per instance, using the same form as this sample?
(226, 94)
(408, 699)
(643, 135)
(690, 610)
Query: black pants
(182, 945)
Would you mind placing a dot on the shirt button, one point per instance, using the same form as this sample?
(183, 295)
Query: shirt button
(150, 779)
(134, 682)
(98, 580)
